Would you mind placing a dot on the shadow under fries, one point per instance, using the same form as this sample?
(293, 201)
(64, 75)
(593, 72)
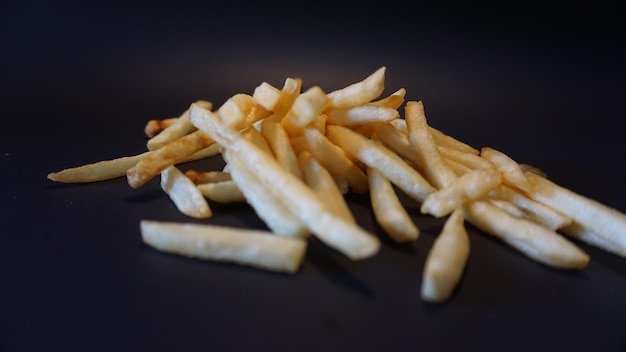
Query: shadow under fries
(321, 256)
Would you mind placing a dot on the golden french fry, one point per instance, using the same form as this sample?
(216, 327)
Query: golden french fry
(253, 248)
(376, 155)
(470, 186)
(347, 238)
(179, 128)
(287, 96)
(184, 193)
(278, 141)
(154, 127)
(266, 95)
(358, 93)
(531, 209)
(335, 160)
(99, 171)
(200, 177)
(447, 141)
(394, 101)
(389, 212)
(435, 169)
(322, 183)
(361, 115)
(470, 160)
(531, 239)
(446, 260)
(396, 140)
(590, 216)
(222, 191)
(512, 174)
(170, 154)
(305, 109)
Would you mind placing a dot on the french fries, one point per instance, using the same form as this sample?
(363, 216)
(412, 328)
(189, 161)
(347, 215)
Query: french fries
(293, 156)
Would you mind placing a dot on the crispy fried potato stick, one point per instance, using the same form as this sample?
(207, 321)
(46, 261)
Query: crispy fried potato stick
(335, 160)
(255, 248)
(593, 222)
(222, 191)
(389, 213)
(306, 107)
(99, 171)
(531, 239)
(394, 101)
(436, 171)
(347, 238)
(376, 155)
(512, 174)
(362, 115)
(446, 260)
(184, 193)
(358, 93)
(200, 177)
(322, 182)
(278, 141)
(179, 128)
(470, 186)
(154, 127)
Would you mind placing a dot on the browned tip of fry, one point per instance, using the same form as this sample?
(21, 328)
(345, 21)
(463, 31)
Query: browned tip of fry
(153, 127)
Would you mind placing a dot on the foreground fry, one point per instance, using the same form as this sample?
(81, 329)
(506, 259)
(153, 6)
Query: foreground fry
(242, 246)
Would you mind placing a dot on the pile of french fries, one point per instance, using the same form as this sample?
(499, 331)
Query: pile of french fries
(293, 155)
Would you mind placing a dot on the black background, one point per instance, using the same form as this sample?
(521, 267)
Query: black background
(544, 84)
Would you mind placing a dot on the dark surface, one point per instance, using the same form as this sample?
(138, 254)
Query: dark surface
(544, 85)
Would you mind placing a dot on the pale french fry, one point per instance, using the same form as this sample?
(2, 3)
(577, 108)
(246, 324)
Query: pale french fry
(200, 177)
(154, 127)
(306, 107)
(222, 191)
(529, 238)
(266, 95)
(512, 174)
(236, 109)
(446, 260)
(256, 138)
(278, 141)
(179, 128)
(184, 193)
(447, 141)
(435, 169)
(347, 238)
(388, 211)
(270, 208)
(255, 248)
(588, 216)
(335, 160)
(470, 186)
(358, 93)
(361, 115)
(376, 155)
(288, 94)
(399, 142)
(98, 171)
(322, 182)
(470, 160)
(531, 209)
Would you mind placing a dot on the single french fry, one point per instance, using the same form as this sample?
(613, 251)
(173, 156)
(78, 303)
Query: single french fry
(170, 154)
(446, 260)
(278, 140)
(270, 208)
(322, 182)
(529, 238)
(531, 209)
(436, 171)
(335, 160)
(349, 239)
(255, 248)
(447, 141)
(362, 115)
(470, 186)
(179, 128)
(393, 101)
(98, 171)
(388, 211)
(154, 127)
(306, 107)
(374, 154)
(200, 177)
(287, 96)
(396, 140)
(512, 174)
(184, 193)
(358, 93)
(590, 216)
(222, 191)
(468, 159)
(266, 95)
